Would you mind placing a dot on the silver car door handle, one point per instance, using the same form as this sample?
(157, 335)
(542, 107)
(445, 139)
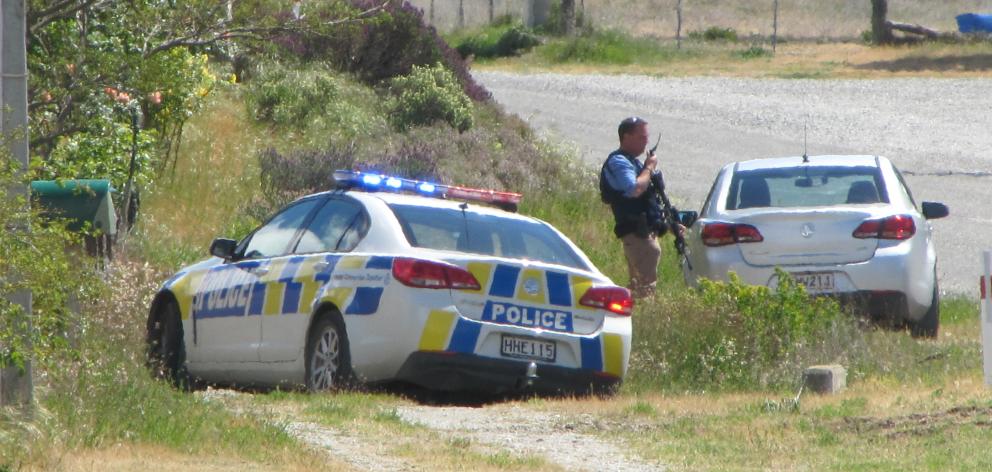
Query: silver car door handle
(260, 271)
(321, 266)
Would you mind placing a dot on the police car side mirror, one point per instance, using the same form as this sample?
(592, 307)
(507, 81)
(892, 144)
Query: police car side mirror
(223, 248)
(687, 218)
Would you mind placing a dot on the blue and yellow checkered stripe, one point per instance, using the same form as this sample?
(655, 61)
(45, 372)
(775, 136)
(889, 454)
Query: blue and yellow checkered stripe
(290, 286)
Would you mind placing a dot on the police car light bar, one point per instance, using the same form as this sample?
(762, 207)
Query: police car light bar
(376, 182)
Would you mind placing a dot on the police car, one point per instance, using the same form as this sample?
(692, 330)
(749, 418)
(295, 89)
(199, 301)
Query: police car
(388, 279)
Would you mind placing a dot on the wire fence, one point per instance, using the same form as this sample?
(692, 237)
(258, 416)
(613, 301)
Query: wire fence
(674, 19)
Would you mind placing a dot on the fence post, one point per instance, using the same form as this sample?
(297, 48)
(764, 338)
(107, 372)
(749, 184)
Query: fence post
(678, 24)
(775, 27)
(985, 294)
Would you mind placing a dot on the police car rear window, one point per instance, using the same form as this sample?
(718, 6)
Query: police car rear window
(466, 231)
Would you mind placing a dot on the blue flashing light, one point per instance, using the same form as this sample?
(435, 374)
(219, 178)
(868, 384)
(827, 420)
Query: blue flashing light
(347, 179)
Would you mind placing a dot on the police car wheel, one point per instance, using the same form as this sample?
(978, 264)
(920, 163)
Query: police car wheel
(166, 352)
(328, 361)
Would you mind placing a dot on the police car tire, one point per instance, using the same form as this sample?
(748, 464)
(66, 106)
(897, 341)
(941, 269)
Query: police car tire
(928, 326)
(327, 347)
(166, 350)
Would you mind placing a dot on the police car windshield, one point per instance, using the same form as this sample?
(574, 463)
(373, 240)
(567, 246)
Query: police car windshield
(466, 231)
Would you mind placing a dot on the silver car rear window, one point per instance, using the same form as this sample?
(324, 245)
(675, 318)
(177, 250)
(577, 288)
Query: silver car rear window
(466, 231)
(806, 186)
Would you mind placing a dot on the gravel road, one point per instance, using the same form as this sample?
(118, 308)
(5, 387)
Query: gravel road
(937, 131)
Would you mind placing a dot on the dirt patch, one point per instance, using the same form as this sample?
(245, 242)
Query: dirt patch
(522, 430)
(922, 424)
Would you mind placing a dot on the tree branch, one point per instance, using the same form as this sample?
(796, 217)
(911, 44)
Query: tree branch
(211, 36)
(59, 11)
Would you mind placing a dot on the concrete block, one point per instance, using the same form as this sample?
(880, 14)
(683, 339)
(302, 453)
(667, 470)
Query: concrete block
(825, 378)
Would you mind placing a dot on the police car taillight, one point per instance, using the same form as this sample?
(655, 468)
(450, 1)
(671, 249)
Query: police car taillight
(377, 182)
(432, 274)
(613, 299)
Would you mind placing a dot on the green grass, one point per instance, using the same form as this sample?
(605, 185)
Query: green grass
(609, 48)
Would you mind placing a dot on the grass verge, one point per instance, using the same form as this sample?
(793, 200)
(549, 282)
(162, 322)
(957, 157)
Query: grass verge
(617, 53)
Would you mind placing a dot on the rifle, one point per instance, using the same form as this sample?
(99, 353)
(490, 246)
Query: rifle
(669, 213)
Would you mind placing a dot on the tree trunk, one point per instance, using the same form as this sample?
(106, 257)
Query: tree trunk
(568, 17)
(880, 32)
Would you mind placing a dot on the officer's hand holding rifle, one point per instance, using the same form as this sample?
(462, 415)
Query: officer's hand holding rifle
(669, 213)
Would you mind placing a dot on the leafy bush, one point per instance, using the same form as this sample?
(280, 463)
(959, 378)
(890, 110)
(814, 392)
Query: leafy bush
(313, 101)
(715, 33)
(427, 95)
(754, 52)
(104, 153)
(383, 46)
(498, 40)
(500, 152)
(47, 261)
(732, 336)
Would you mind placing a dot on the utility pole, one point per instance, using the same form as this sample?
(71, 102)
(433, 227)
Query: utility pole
(15, 383)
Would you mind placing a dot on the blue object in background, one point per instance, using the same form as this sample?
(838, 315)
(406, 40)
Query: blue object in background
(974, 23)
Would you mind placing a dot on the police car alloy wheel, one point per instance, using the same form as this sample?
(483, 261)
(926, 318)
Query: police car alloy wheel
(328, 362)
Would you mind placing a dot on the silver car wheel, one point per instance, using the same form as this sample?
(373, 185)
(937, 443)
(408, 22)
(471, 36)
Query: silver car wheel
(325, 362)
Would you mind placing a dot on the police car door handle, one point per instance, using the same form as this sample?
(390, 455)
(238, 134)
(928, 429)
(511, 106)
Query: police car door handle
(260, 270)
(321, 266)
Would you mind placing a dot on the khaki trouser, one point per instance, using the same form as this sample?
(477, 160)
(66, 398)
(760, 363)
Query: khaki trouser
(642, 263)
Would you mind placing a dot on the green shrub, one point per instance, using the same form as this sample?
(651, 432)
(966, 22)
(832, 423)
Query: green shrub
(48, 261)
(314, 100)
(427, 95)
(715, 33)
(734, 336)
(497, 40)
(607, 47)
(754, 52)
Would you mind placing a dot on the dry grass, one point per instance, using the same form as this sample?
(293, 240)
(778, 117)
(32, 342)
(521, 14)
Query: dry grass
(216, 159)
(792, 60)
(875, 424)
(131, 457)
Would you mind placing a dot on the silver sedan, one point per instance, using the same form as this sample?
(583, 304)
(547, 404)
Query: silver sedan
(845, 226)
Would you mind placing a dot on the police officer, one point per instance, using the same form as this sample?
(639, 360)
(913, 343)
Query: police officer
(625, 183)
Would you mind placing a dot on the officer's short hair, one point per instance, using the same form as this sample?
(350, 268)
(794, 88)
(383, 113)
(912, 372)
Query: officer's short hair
(628, 124)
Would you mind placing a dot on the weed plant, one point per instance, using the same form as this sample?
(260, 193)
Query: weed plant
(610, 47)
(505, 37)
(427, 95)
(313, 101)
